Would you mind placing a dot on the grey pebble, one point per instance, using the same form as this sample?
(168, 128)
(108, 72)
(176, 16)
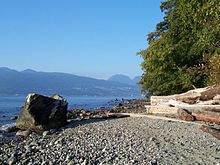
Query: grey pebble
(117, 141)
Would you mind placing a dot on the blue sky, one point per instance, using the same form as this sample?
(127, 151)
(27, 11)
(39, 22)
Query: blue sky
(93, 38)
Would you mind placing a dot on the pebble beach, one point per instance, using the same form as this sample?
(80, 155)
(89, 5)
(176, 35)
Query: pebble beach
(130, 140)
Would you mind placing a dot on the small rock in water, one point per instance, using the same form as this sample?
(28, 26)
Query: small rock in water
(7, 126)
(14, 118)
(11, 129)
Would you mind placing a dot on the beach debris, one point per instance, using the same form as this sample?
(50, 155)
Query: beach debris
(185, 115)
(207, 117)
(202, 104)
(190, 97)
(213, 131)
(41, 113)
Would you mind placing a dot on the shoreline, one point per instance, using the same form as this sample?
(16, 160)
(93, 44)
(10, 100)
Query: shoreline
(9, 120)
(131, 140)
(102, 137)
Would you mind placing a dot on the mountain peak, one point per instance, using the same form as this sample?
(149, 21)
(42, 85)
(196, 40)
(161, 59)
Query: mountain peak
(28, 71)
(6, 69)
(124, 79)
(28, 81)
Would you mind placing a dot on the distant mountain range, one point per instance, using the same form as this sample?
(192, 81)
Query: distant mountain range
(125, 79)
(27, 81)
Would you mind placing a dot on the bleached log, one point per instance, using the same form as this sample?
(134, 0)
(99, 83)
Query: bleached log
(217, 97)
(209, 102)
(160, 109)
(194, 107)
(191, 97)
(158, 100)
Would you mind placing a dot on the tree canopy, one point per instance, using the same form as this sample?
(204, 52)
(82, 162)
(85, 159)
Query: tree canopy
(184, 50)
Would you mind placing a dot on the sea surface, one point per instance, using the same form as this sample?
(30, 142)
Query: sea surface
(10, 105)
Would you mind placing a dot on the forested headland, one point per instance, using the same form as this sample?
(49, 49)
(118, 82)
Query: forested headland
(184, 50)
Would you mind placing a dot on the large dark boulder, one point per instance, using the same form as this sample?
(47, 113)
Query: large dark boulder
(41, 113)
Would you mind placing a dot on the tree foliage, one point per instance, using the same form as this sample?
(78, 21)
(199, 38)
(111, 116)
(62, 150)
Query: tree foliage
(184, 50)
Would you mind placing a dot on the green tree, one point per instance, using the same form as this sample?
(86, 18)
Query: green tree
(183, 50)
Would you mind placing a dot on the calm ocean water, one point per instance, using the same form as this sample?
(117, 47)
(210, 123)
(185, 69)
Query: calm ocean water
(10, 105)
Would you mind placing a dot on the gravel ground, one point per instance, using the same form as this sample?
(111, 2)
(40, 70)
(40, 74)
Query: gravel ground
(133, 140)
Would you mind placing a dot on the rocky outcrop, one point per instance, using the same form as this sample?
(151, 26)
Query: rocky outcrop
(41, 113)
(77, 115)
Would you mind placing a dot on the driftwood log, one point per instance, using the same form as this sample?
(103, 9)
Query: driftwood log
(214, 132)
(160, 109)
(207, 113)
(193, 107)
(207, 117)
(190, 97)
(202, 104)
(185, 115)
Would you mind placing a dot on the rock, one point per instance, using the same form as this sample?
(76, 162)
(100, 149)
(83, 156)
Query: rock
(14, 118)
(11, 129)
(71, 163)
(12, 159)
(25, 133)
(185, 115)
(28, 148)
(45, 133)
(52, 131)
(84, 162)
(41, 113)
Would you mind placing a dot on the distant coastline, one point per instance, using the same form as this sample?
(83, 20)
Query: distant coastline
(10, 104)
(48, 83)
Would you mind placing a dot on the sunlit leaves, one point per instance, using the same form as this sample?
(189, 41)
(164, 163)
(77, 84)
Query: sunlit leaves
(184, 49)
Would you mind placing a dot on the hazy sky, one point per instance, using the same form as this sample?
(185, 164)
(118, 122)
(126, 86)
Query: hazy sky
(96, 38)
